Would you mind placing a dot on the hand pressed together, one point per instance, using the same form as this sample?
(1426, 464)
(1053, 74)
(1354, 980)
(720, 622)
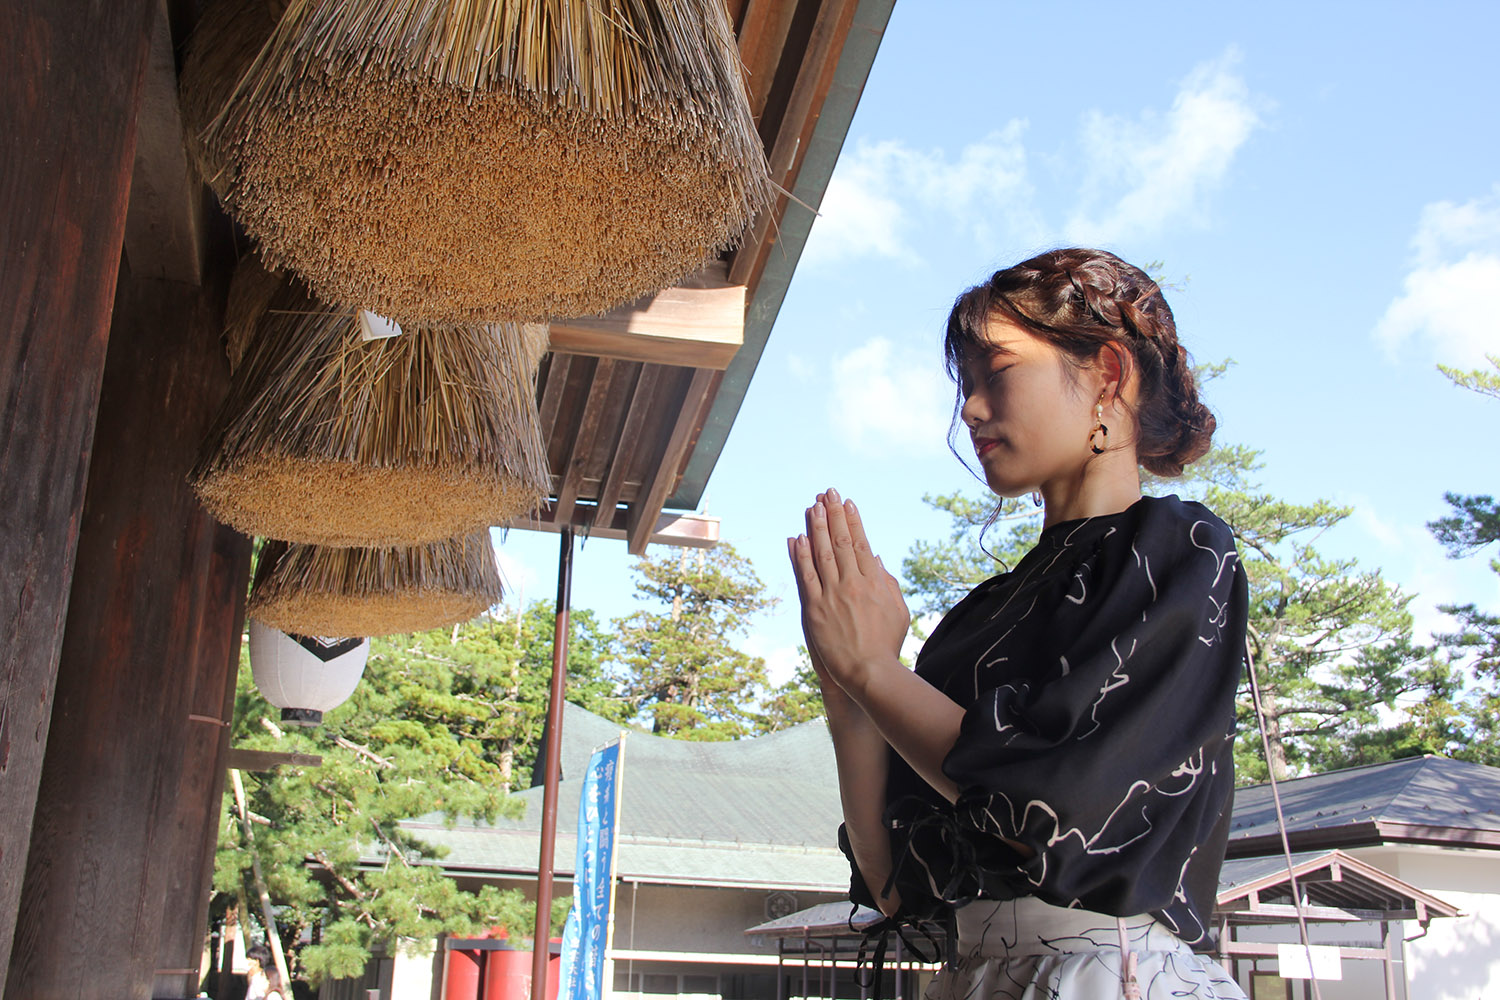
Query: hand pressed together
(853, 614)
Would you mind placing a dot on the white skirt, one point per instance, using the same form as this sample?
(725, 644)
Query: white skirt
(1024, 949)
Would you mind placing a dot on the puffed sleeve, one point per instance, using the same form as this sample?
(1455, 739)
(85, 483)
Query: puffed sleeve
(1109, 759)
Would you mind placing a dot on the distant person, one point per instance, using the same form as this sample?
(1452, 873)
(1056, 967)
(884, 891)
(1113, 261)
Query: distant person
(1055, 778)
(262, 981)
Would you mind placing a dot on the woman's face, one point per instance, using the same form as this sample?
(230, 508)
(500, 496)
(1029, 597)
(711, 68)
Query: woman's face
(1029, 411)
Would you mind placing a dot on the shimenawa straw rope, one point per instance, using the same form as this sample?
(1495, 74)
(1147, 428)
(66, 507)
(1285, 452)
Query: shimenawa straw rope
(462, 160)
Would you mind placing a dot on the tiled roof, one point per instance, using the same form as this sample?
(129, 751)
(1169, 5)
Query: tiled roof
(1329, 883)
(1416, 800)
(757, 812)
(822, 920)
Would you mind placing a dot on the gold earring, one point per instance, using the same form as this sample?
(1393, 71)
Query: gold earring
(1100, 431)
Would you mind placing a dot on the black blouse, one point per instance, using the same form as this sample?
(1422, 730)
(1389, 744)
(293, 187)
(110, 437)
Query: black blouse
(1098, 679)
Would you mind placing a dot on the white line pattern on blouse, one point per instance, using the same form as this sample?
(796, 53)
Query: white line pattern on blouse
(1140, 791)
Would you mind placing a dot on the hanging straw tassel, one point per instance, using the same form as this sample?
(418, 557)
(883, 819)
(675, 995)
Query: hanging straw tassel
(329, 439)
(315, 590)
(478, 160)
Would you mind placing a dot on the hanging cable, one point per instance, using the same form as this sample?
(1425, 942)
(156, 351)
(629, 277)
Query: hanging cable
(1286, 847)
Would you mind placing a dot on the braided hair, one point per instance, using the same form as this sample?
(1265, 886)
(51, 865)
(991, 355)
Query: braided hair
(1080, 300)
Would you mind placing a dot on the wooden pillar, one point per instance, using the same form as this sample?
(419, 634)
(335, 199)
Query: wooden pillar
(68, 96)
(128, 804)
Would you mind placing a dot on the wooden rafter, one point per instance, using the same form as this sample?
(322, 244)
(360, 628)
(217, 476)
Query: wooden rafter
(695, 402)
(814, 80)
(762, 28)
(630, 434)
(584, 439)
(686, 530)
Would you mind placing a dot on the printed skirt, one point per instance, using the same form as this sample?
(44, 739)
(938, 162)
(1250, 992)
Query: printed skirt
(1024, 949)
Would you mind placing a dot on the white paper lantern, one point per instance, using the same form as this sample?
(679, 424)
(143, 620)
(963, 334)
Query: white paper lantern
(303, 675)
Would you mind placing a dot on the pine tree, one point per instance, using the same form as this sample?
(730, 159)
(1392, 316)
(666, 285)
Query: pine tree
(1472, 527)
(677, 666)
(442, 722)
(796, 701)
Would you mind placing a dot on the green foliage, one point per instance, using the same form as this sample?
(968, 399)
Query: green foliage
(1472, 527)
(939, 574)
(798, 700)
(443, 723)
(1477, 379)
(1332, 640)
(1474, 523)
(488, 680)
(677, 667)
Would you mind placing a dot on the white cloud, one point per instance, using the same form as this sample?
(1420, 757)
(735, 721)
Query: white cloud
(881, 191)
(1445, 302)
(1155, 169)
(1140, 174)
(885, 399)
(781, 661)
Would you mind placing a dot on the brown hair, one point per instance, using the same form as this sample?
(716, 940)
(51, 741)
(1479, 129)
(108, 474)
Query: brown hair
(1080, 300)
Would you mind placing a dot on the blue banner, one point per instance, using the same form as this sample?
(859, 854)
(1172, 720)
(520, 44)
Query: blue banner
(586, 934)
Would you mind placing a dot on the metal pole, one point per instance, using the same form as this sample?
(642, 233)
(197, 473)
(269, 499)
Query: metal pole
(1387, 940)
(540, 947)
(806, 950)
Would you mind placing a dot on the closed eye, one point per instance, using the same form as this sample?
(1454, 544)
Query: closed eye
(996, 373)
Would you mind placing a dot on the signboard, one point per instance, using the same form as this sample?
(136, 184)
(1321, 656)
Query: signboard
(586, 934)
(1314, 961)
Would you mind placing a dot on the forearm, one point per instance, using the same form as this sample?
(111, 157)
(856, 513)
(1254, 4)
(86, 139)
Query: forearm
(919, 721)
(861, 754)
(912, 716)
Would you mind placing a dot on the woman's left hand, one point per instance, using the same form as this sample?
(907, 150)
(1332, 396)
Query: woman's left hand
(852, 609)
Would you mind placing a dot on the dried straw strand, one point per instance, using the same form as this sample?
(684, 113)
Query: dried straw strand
(477, 160)
(331, 440)
(317, 590)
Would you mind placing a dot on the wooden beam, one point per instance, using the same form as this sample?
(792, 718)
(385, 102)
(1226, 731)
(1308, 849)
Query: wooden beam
(690, 327)
(241, 759)
(190, 871)
(1260, 949)
(581, 446)
(630, 436)
(155, 612)
(695, 531)
(1286, 911)
(164, 229)
(643, 513)
(68, 98)
(761, 37)
(814, 80)
(550, 404)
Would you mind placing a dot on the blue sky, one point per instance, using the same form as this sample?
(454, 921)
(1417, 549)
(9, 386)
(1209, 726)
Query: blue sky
(1325, 178)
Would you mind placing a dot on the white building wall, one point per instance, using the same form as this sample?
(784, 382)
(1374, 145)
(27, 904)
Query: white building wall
(689, 919)
(412, 973)
(1458, 958)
